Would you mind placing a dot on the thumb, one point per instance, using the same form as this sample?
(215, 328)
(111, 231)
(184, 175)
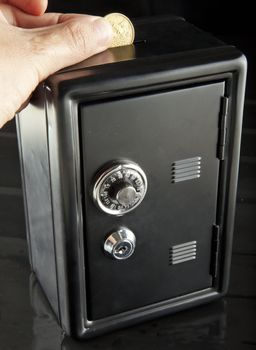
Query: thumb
(72, 40)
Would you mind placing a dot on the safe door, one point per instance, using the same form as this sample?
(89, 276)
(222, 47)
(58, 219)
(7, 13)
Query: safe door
(151, 176)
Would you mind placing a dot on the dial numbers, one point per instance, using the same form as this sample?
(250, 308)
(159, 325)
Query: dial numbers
(120, 189)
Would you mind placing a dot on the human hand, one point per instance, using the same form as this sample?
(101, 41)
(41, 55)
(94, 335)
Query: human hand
(34, 45)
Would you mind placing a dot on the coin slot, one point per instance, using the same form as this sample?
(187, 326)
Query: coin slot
(139, 41)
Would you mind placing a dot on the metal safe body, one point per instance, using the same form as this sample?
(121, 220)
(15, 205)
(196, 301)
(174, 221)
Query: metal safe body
(129, 166)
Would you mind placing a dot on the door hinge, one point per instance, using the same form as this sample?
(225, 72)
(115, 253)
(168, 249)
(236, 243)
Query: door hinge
(223, 127)
(215, 250)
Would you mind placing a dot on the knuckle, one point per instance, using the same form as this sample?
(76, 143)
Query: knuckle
(39, 54)
(77, 36)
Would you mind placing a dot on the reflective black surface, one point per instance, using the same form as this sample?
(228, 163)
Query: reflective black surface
(26, 321)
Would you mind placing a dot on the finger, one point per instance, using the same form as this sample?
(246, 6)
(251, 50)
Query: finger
(68, 43)
(21, 19)
(34, 7)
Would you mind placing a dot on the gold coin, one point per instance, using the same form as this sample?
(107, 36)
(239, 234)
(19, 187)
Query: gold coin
(123, 30)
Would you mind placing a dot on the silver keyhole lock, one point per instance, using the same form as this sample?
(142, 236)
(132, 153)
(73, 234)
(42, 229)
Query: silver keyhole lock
(120, 244)
(120, 189)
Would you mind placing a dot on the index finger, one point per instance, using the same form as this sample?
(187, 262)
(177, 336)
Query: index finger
(33, 7)
(16, 17)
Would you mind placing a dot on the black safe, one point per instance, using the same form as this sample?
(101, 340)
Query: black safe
(129, 165)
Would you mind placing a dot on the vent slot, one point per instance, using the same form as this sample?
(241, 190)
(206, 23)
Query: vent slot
(186, 169)
(182, 252)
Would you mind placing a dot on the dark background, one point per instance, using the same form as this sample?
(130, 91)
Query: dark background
(234, 326)
(217, 16)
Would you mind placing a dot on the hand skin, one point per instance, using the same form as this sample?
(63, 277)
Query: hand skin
(35, 44)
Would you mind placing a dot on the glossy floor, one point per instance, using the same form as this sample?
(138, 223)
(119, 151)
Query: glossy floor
(27, 323)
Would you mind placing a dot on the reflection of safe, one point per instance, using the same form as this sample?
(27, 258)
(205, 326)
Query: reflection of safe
(129, 164)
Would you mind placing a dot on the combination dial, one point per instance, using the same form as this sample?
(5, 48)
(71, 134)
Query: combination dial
(120, 189)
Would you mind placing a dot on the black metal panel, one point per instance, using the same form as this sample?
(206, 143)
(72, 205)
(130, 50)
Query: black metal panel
(153, 131)
(32, 135)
